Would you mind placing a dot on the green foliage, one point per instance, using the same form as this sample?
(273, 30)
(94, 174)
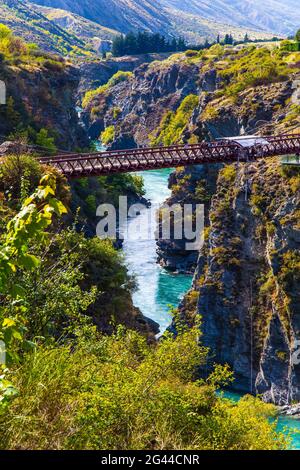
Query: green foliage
(258, 199)
(16, 50)
(27, 227)
(228, 173)
(253, 67)
(173, 124)
(116, 112)
(55, 297)
(45, 142)
(108, 135)
(127, 183)
(144, 43)
(91, 204)
(289, 274)
(11, 114)
(12, 46)
(20, 175)
(118, 393)
(118, 77)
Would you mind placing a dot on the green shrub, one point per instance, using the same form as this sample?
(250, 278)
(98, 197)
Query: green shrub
(118, 393)
(45, 142)
(173, 125)
(108, 135)
(228, 173)
(91, 204)
(253, 67)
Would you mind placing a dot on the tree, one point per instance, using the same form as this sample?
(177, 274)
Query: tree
(12, 116)
(43, 140)
(297, 37)
(118, 47)
(144, 43)
(206, 44)
(181, 46)
(228, 40)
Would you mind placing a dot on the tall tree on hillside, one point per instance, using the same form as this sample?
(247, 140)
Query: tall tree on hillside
(181, 46)
(144, 42)
(118, 47)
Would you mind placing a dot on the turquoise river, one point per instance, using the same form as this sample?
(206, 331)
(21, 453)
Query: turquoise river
(157, 289)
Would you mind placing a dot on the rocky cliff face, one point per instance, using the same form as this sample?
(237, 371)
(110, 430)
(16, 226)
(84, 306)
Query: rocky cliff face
(248, 277)
(142, 101)
(229, 103)
(97, 73)
(42, 95)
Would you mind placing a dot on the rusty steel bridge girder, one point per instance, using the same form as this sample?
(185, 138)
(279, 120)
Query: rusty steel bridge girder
(140, 159)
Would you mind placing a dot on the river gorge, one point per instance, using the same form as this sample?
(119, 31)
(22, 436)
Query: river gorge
(159, 290)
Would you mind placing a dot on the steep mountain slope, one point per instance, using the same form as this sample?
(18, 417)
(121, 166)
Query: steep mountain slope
(94, 35)
(57, 26)
(196, 29)
(155, 16)
(280, 16)
(123, 15)
(53, 30)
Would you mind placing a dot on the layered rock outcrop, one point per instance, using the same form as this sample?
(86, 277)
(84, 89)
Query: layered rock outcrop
(135, 107)
(248, 279)
(43, 95)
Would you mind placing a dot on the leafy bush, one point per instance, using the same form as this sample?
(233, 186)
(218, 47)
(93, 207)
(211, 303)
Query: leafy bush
(20, 175)
(108, 135)
(228, 173)
(173, 124)
(27, 228)
(45, 142)
(118, 393)
(5, 32)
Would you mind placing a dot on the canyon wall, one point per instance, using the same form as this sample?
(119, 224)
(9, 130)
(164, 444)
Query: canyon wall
(246, 285)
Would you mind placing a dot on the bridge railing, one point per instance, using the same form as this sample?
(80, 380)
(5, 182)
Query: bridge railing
(138, 159)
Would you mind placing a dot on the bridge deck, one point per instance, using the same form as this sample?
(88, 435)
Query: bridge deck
(123, 161)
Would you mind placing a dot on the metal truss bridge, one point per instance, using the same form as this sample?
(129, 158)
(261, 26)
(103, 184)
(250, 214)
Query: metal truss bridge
(227, 150)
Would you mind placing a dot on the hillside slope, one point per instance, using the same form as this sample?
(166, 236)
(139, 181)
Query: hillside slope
(155, 16)
(279, 16)
(54, 30)
(123, 15)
